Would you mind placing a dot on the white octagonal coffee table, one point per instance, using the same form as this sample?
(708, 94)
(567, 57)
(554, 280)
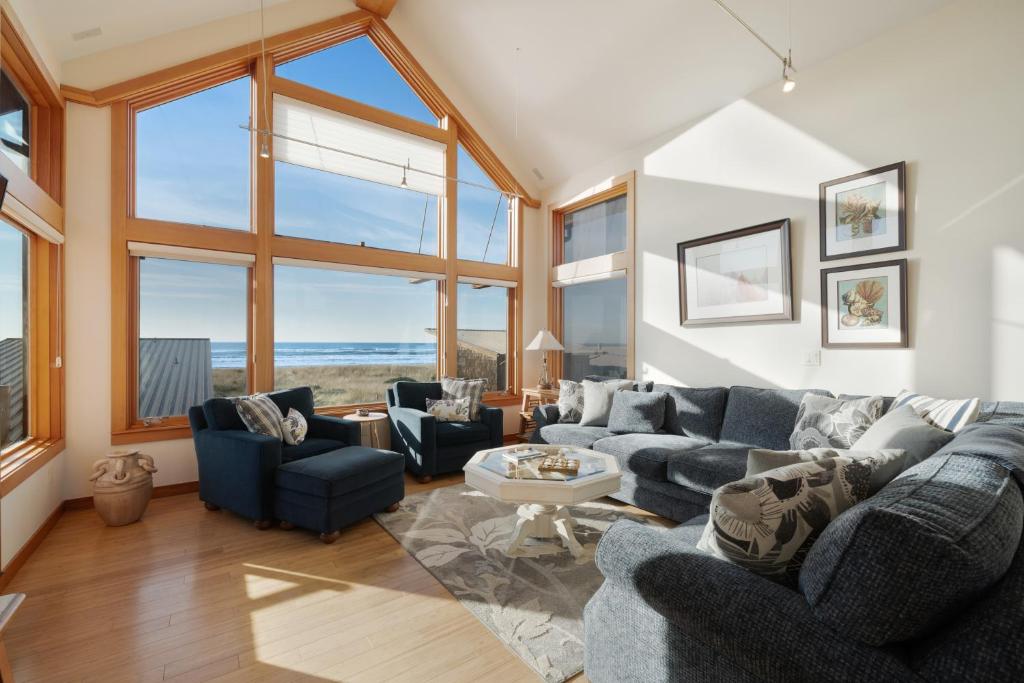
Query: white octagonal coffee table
(544, 497)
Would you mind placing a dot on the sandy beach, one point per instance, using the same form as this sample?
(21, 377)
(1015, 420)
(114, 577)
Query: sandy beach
(332, 384)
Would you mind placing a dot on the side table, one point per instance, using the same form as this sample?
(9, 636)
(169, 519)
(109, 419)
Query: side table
(533, 397)
(375, 429)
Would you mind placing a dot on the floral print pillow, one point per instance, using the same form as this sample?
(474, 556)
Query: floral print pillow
(824, 422)
(450, 409)
(570, 401)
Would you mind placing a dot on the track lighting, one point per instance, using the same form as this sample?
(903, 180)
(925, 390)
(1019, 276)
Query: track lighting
(788, 84)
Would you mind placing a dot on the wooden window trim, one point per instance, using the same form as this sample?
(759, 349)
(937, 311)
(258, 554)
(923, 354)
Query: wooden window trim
(130, 97)
(623, 185)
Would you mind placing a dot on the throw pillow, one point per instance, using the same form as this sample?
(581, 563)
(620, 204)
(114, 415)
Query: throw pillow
(768, 522)
(635, 384)
(951, 415)
(465, 388)
(634, 412)
(449, 409)
(826, 422)
(260, 414)
(904, 428)
(891, 461)
(294, 428)
(570, 401)
(597, 400)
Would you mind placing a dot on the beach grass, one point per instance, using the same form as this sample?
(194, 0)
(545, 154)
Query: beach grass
(333, 385)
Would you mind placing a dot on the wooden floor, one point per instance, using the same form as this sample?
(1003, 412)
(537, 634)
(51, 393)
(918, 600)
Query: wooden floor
(191, 595)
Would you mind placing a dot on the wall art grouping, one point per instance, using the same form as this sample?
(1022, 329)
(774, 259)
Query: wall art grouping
(745, 275)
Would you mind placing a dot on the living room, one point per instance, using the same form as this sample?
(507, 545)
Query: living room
(438, 339)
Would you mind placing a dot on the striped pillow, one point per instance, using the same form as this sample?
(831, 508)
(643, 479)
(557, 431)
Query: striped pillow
(260, 415)
(951, 415)
(452, 387)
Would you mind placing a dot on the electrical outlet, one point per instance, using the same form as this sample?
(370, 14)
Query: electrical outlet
(812, 358)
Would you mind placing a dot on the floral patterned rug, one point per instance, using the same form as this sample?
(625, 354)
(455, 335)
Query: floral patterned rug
(534, 602)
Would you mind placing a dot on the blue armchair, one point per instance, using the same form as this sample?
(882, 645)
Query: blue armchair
(236, 466)
(431, 447)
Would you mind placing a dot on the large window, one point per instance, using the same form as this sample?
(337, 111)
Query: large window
(192, 334)
(594, 230)
(192, 158)
(13, 335)
(594, 329)
(350, 335)
(14, 123)
(483, 215)
(483, 333)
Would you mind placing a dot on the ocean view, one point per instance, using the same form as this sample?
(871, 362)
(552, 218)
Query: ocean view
(301, 354)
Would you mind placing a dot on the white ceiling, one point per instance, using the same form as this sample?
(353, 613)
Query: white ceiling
(594, 77)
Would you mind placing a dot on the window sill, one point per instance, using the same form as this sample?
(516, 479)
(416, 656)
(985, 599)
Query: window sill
(155, 433)
(24, 460)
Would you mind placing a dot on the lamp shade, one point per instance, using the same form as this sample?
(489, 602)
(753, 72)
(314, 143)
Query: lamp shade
(544, 341)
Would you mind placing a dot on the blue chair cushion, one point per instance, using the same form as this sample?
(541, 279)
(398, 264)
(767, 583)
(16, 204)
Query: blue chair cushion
(300, 398)
(903, 562)
(309, 447)
(695, 412)
(220, 413)
(762, 418)
(336, 473)
(708, 468)
(454, 433)
(569, 435)
(415, 394)
(646, 455)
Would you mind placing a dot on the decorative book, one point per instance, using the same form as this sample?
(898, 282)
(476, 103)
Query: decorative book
(520, 455)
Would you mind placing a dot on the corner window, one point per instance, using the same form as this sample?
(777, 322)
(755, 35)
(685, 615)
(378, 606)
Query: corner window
(483, 215)
(14, 386)
(483, 333)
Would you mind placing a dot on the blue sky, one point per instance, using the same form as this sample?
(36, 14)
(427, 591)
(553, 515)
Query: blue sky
(11, 290)
(193, 167)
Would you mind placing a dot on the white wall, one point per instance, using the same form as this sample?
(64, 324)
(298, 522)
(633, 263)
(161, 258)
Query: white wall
(943, 93)
(24, 510)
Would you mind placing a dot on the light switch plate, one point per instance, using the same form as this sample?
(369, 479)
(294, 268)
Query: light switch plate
(812, 358)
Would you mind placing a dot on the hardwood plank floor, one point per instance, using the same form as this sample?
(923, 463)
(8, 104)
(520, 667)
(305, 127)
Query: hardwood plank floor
(190, 595)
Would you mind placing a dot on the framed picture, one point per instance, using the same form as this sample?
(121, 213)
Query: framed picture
(865, 306)
(863, 214)
(738, 276)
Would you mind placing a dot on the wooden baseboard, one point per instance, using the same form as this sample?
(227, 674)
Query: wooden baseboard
(21, 557)
(158, 492)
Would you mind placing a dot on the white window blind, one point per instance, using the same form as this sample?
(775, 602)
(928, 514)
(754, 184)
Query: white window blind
(596, 277)
(307, 135)
(228, 258)
(28, 218)
(487, 281)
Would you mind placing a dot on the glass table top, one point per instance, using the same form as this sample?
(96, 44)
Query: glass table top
(497, 462)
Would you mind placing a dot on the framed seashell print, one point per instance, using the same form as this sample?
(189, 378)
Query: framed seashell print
(865, 306)
(736, 277)
(864, 213)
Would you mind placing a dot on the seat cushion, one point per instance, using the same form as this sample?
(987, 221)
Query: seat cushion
(900, 564)
(569, 435)
(415, 394)
(452, 433)
(309, 447)
(762, 418)
(705, 469)
(695, 412)
(646, 455)
(338, 472)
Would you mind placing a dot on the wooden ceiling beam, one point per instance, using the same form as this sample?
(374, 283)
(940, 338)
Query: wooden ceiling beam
(382, 8)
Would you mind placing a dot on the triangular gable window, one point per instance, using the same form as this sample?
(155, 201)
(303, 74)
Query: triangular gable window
(482, 214)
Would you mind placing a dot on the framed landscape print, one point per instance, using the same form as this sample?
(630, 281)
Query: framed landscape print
(738, 276)
(865, 306)
(863, 214)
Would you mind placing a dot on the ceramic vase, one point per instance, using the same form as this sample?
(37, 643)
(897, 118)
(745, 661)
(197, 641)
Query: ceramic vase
(122, 486)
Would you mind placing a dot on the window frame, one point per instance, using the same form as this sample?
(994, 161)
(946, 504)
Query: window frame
(560, 271)
(261, 240)
(34, 202)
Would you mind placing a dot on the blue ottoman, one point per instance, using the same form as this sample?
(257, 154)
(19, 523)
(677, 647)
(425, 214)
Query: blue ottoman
(329, 491)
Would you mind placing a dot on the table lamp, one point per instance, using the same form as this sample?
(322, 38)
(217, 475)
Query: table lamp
(544, 341)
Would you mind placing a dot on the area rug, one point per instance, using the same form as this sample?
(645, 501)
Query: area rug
(532, 603)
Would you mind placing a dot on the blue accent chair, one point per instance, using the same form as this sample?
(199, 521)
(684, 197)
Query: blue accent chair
(431, 447)
(237, 468)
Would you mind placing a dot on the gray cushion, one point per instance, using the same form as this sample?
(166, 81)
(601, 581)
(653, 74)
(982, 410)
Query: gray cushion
(569, 435)
(646, 455)
(902, 562)
(705, 469)
(693, 411)
(762, 418)
(638, 385)
(1002, 412)
(597, 400)
(903, 428)
(634, 412)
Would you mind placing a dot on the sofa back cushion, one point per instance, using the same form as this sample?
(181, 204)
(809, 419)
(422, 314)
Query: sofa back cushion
(695, 412)
(762, 418)
(299, 398)
(415, 394)
(634, 412)
(900, 564)
(221, 413)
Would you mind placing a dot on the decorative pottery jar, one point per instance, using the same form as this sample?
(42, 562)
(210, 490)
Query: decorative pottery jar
(122, 486)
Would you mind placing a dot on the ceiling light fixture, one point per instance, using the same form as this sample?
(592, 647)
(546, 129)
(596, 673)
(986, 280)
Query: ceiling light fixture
(788, 84)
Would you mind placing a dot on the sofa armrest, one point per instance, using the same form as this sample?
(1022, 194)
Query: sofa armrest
(414, 433)
(494, 418)
(335, 428)
(236, 470)
(546, 414)
(744, 617)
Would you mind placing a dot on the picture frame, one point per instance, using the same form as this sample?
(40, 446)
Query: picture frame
(864, 306)
(863, 214)
(739, 276)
